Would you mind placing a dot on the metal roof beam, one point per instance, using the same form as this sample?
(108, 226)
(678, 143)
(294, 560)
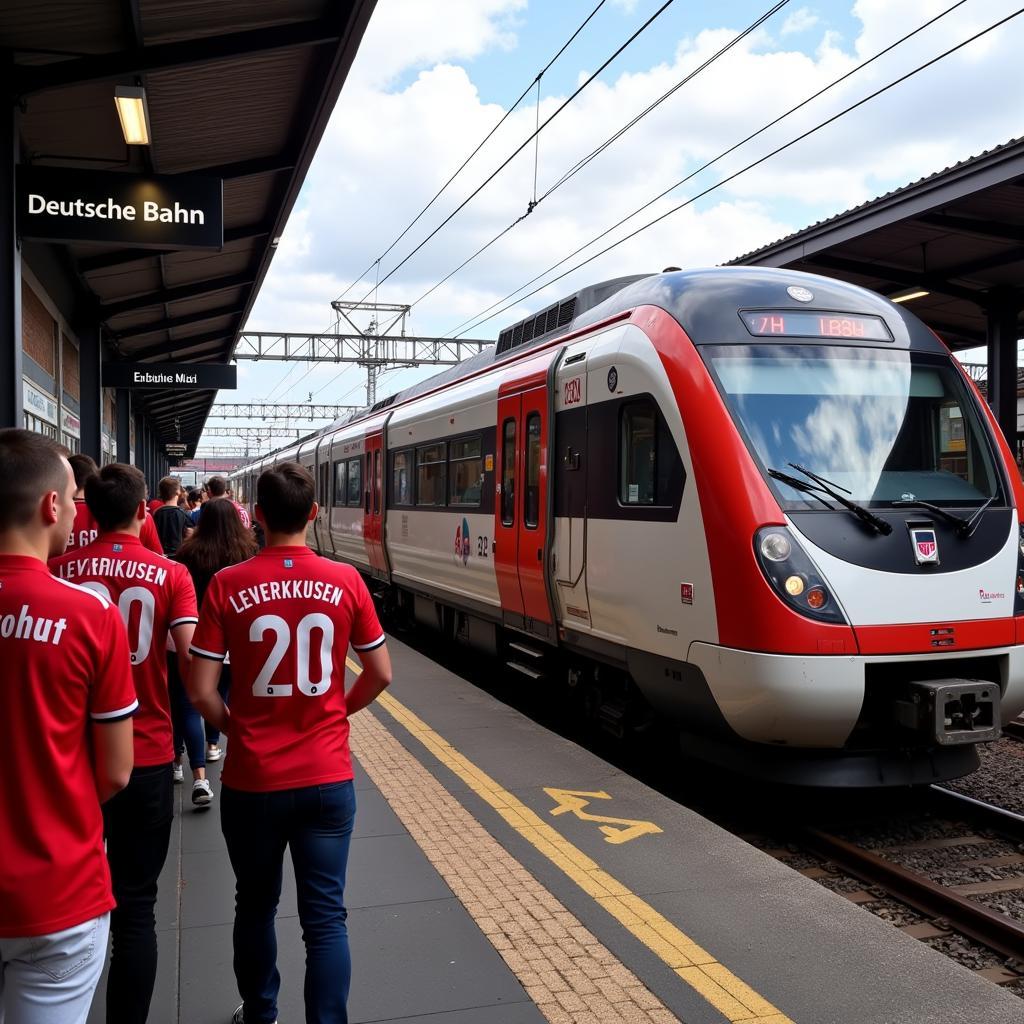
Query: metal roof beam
(896, 275)
(196, 290)
(280, 411)
(181, 345)
(366, 350)
(165, 56)
(187, 320)
(975, 226)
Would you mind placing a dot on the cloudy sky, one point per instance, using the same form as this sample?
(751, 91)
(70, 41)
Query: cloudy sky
(432, 79)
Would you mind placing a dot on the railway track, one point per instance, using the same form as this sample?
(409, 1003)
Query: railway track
(950, 903)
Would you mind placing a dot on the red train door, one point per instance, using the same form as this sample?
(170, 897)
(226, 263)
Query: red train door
(521, 511)
(373, 503)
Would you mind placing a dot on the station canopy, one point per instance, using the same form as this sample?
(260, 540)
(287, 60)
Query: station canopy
(236, 89)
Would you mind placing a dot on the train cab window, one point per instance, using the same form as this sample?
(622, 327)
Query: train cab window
(324, 489)
(401, 478)
(467, 472)
(340, 482)
(430, 474)
(355, 482)
(531, 493)
(508, 473)
(638, 454)
(376, 482)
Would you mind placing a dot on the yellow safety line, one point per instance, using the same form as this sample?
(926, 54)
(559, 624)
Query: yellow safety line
(727, 993)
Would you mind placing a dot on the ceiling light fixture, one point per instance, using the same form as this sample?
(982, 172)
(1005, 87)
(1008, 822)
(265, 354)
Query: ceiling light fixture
(908, 294)
(133, 113)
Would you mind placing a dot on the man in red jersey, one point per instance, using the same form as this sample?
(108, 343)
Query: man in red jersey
(85, 529)
(287, 617)
(156, 598)
(66, 700)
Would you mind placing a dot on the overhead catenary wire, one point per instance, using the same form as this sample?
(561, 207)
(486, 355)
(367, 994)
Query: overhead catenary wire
(486, 314)
(580, 164)
(480, 145)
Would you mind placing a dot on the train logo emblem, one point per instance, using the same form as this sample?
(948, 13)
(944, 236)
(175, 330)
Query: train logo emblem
(800, 293)
(613, 379)
(462, 542)
(926, 547)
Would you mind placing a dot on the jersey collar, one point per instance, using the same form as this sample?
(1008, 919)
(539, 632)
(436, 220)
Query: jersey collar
(291, 550)
(118, 538)
(14, 563)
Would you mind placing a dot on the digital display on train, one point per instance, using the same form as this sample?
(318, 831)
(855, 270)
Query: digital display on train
(765, 323)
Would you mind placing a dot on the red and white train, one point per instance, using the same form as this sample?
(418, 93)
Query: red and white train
(770, 503)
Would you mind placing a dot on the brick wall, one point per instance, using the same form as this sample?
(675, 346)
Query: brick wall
(37, 330)
(71, 371)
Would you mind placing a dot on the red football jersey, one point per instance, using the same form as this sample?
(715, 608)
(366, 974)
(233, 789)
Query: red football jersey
(153, 595)
(287, 617)
(65, 660)
(85, 530)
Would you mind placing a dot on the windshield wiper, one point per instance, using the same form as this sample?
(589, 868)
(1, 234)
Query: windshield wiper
(964, 527)
(869, 518)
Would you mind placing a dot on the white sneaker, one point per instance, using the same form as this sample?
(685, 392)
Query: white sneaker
(202, 795)
(238, 1018)
(179, 772)
(214, 753)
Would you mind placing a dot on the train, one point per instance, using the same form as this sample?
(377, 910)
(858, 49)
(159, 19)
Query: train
(766, 508)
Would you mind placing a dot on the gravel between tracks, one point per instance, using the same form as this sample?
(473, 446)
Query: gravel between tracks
(1000, 779)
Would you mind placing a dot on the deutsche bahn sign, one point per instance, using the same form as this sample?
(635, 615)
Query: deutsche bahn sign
(171, 376)
(58, 204)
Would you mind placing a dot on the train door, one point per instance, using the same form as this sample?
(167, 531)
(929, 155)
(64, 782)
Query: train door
(373, 508)
(322, 523)
(521, 515)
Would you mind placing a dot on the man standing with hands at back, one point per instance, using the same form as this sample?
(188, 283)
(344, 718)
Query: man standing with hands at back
(155, 597)
(66, 700)
(287, 617)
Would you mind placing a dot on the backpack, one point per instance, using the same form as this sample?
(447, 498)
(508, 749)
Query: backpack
(171, 524)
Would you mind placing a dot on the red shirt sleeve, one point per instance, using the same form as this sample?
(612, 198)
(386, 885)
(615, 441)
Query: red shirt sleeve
(209, 640)
(183, 608)
(112, 696)
(366, 629)
(149, 537)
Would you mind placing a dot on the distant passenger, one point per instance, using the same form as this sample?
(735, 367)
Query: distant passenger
(217, 490)
(173, 524)
(66, 701)
(156, 599)
(286, 619)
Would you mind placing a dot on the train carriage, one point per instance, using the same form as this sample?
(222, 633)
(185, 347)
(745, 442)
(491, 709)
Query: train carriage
(770, 505)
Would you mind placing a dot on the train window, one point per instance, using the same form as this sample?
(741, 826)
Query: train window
(531, 493)
(355, 482)
(430, 474)
(508, 473)
(467, 471)
(324, 490)
(376, 482)
(340, 482)
(401, 478)
(638, 454)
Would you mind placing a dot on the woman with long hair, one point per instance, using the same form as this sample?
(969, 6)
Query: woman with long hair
(219, 540)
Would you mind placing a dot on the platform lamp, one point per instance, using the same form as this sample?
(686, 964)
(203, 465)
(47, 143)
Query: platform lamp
(133, 113)
(908, 294)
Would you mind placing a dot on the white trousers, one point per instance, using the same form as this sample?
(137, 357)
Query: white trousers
(51, 979)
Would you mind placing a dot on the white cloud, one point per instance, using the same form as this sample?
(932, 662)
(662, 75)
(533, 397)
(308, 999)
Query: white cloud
(800, 20)
(390, 147)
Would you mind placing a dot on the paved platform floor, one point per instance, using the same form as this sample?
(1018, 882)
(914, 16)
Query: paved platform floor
(503, 875)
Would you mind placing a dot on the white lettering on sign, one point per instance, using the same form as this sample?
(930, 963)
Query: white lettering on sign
(572, 391)
(107, 209)
(144, 377)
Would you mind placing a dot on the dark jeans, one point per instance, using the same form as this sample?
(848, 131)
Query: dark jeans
(316, 822)
(188, 726)
(224, 689)
(137, 823)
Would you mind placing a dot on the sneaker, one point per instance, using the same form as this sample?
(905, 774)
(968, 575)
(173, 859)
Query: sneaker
(201, 793)
(238, 1018)
(214, 753)
(179, 772)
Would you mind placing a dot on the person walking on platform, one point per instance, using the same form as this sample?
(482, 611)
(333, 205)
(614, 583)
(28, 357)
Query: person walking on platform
(220, 540)
(156, 599)
(286, 617)
(173, 523)
(66, 693)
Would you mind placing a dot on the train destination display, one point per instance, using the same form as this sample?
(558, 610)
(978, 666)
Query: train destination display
(811, 324)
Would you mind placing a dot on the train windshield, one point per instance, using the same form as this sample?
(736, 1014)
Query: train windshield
(885, 426)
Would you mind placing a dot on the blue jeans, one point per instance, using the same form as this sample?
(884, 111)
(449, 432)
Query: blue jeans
(188, 726)
(316, 822)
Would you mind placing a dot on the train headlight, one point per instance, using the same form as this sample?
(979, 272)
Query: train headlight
(776, 547)
(793, 575)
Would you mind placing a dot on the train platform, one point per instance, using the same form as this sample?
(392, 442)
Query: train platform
(501, 874)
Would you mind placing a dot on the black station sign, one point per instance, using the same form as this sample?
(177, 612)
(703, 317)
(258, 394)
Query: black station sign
(171, 376)
(58, 204)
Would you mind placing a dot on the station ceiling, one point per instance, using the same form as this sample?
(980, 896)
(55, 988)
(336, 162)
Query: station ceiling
(957, 234)
(236, 89)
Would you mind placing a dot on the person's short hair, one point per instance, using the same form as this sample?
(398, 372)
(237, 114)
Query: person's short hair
(285, 495)
(114, 494)
(168, 488)
(83, 466)
(30, 466)
(216, 486)
(194, 494)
